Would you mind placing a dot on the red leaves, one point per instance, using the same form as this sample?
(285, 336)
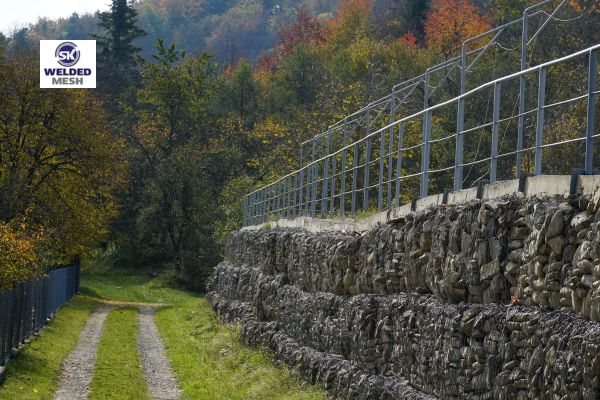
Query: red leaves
(304, 29)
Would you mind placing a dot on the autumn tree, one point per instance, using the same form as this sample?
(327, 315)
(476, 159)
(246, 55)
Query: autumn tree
(58, 164)
(304, 29)
(450, 23)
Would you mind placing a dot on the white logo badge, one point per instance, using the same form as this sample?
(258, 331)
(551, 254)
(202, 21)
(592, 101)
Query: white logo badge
(67, 64)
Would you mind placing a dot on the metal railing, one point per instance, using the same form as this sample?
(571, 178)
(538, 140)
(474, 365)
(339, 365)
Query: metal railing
(392, 161)
(421, 91)
(25, 309)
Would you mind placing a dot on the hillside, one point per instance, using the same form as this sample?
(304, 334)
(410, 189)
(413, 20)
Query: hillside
(229, 29)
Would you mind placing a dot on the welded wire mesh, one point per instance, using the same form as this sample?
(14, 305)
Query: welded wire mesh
(26, 308)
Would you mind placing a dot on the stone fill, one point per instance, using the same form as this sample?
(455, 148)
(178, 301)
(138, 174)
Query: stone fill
(488, 300)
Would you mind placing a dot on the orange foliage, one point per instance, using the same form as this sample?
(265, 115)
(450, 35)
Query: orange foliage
(451, 22)
(304, 29)
(583, 5)
(409, 41)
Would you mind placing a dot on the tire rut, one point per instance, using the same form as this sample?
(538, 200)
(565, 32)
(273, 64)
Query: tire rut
(78, 368)
(161, 380)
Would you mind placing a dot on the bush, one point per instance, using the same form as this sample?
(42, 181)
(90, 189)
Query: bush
(25, 253)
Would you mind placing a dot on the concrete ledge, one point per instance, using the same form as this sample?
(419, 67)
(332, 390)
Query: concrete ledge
(547, 185)
(551, 185)
(588, 184)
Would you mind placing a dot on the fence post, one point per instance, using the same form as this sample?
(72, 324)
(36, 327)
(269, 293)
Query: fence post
(288, 206)
(293, 194)
(314, 189)
(313, 178)
(391, 148)
(244, 208)
(399, 162)
(11, 321)
(426, 137)
(495, 125)
(539, 127)
(522, 83)
(354, 167)
(367, 159)
(253, 208)
(301, 192)
(332, 185)
(263, 204)
(380, 181)
(325, 193)
(460, 123)
(343, 180)
(591, 111)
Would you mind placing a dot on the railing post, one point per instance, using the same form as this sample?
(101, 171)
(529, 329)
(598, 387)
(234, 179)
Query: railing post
(301, 191)
(276, 199)
(343, 181)
(288, 208)
(265, 204)
(460, 123)
(354, 172)
(399, 162)
(522, 83)
(313, 211)
(325, 193)
(332, 185)
(539, 128)
(495, 126)
(380, 180)
(367, 159)
(244, 207)
(426, 138)
(591, 111)
(253, 208)
(391, 148)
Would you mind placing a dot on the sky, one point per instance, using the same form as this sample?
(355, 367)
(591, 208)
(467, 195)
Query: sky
(19, 13)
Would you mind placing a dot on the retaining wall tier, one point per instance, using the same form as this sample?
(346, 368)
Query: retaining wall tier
(495, 299)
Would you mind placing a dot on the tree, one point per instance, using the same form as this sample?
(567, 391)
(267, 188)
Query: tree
(450, 23)
(58, 164)
(304, 29)
(118, 53)
(179, 164)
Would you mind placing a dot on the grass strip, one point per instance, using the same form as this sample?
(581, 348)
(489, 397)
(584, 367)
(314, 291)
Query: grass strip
(118, 373)
(211, 363)
(128, 286)
(34, 372)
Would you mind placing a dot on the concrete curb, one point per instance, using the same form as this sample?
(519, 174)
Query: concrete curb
(545, 185)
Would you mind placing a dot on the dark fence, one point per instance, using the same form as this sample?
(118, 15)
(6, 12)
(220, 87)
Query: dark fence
(25, 309)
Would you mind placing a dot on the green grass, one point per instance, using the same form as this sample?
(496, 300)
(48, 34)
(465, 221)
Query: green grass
(211, 363)
(206, 355)
(100, 279)
(118, 373)
(34, 372)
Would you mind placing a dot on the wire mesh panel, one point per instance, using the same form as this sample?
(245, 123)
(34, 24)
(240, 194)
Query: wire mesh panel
(473, 138)
(498, 110)
(6, 322)
(25, 309)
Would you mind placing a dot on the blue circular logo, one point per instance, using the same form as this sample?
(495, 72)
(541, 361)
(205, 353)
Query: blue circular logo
(67, 54)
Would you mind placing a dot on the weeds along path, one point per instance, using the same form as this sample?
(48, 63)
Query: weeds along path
(78, 367)
(162, 383)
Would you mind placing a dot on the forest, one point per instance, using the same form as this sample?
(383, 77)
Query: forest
(201, 102)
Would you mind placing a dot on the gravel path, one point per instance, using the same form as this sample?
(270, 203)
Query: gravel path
(78, 367)
(160, 378)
